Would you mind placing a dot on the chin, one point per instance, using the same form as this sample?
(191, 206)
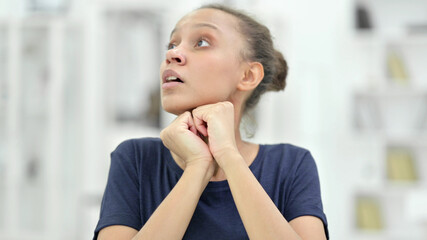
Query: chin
(176, 108)
(173, 111)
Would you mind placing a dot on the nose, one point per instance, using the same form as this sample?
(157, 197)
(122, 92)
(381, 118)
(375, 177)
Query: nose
(175, 56)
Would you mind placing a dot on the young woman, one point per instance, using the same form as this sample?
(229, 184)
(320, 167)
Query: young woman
(200, 180)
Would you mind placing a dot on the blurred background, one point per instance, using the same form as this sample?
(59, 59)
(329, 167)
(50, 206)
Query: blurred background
(77, 77)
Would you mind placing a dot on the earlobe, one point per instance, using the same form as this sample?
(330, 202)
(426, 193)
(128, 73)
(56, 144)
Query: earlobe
(252, 77)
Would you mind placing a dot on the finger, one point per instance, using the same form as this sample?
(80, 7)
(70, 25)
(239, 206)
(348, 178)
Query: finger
(186, 121)
(191, 125)
(200, 122)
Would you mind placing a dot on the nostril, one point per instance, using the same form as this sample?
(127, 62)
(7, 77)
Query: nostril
(175, 57)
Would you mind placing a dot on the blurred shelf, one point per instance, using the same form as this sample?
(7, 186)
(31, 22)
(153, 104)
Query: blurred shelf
(393, 110)
(396, 208)
(397, 91)
(404, 37)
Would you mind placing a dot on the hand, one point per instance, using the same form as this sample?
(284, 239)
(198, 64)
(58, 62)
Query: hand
(216, 121)
(183, 140)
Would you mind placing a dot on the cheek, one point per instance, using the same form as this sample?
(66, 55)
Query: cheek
(219, 69)
(161, 69)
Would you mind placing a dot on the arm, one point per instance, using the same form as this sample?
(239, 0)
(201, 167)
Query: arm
(260, 216)
(171, 218)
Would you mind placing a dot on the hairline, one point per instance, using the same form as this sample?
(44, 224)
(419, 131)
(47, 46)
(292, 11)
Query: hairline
(246, 50)
(198, 25)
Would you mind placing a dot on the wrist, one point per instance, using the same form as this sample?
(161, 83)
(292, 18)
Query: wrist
(201, 170)
(230, 159)
(224, 152)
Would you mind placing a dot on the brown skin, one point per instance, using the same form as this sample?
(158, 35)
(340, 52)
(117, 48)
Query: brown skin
(205, 52)
(206, 58)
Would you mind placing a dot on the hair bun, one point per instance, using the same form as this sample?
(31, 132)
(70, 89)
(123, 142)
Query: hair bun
(281, 72)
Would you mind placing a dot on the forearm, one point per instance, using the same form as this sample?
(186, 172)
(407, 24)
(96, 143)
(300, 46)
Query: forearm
(171, 218)
(260, 216)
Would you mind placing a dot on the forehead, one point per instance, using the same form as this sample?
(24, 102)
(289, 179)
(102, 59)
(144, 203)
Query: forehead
(223, 21)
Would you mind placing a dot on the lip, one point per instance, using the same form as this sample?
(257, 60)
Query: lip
(169, 73)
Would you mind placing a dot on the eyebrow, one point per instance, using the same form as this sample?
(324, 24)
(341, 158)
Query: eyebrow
(198, 25)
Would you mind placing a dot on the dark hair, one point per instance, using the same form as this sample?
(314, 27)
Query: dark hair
(260, 50)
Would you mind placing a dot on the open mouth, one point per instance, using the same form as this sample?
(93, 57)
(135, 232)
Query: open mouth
(173, 79)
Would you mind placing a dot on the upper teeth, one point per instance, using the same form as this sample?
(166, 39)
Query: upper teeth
(171, 78)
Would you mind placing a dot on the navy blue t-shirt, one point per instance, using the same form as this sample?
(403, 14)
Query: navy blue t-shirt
(143, 172)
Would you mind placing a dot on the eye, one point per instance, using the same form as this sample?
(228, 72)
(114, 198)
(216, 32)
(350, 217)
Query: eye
(170, 46)
(202, 43)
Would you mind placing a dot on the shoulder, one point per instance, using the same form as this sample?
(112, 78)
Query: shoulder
(285, 151)
(138, 144)
(139, 153)
(140, 148)
(288, 156)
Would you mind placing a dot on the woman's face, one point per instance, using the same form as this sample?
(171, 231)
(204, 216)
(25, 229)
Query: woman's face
(203, 64)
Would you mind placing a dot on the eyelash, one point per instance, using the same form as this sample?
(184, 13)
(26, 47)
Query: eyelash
(203, 39)
(170, 46)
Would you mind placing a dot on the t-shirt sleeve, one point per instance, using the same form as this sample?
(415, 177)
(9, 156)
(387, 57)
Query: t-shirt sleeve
(120, 203)
(304, 198)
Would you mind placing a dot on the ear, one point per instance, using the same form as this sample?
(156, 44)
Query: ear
(253, 75)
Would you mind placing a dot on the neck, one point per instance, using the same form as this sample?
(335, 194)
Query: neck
(247, 150)
(241, 145)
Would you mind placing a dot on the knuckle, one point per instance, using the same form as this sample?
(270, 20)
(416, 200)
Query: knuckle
(183, 115)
